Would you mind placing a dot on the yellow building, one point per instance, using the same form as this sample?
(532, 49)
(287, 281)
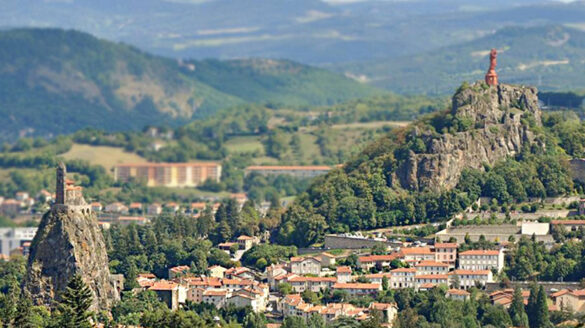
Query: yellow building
(169, 174)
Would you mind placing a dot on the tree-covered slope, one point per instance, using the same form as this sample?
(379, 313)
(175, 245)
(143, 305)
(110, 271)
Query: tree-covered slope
(54, 81)
(492, 142)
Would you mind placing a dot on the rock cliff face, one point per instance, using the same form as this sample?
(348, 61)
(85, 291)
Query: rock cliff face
(68, 242)
(495, 124)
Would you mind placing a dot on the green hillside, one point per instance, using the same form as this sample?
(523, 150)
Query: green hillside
(549, 57)
(54, 81)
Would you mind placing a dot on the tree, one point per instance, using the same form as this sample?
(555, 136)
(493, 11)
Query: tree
(541, 319)
(294, 322)
(316, 321)
(309, 296)
(253, 320)
(73, 308)
(517, 311)
(379, 249)
(385, 283)
(284, 288)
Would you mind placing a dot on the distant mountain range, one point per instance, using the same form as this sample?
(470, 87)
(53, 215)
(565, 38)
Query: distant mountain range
(549, 57)
(54, 81)
(308, 31)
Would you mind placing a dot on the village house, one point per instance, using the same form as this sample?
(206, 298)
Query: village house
(327, 259)
(116, 207)
(216, 297)
(571, 300)
(376, 278)
(239, 273)
(468, 278)
(343, 274)
(402, 278)
(427, 281)
(482, 260)
(10, 207)
(198, 207)
(376, 261)
(389, 311)
(154, 209)
(431, 267)
(216, 271)
(446, 253)
(135, 208)
(96, 207)
(178, 271)
(305, 265)
(413, 255)
(315, 284)
(274, 271)
(167, 292)
(246, 242)
(568, 225)
(358, 289)
(127, 220)
(172, 207)
(458, 294)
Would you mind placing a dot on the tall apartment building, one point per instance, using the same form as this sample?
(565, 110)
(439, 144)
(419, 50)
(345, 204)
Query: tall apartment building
(169, 174)
(481, 260)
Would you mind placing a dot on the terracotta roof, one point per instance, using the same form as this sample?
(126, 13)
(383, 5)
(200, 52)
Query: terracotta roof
(180, 268)
(431, 276)
(415, 250)
(163, 285)
(326, 254)
(377, 258)
(214, 292)
(428, 285)
(403, 270)
(226, 244)
(382, 306)
(288, 168)
(301, 259)
(312, 279)
(356, 285)
(459, 292)
(244, 237)
(446, 245)
(198, 205)
(431, 263)
(567, 222)
(480, 252)
(378, 275)
(131, 218)
(343, 269)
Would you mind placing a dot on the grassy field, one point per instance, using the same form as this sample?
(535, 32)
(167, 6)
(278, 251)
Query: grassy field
(371, 125)
(244, 144)
(102, 155)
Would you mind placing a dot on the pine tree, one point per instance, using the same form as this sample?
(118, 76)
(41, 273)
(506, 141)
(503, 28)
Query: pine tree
(385, 283)
(531, 306)
(517, 312)
(73, 308)
(542, 317)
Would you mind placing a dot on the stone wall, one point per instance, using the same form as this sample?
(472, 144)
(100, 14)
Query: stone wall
(549, 286)
(335, 242)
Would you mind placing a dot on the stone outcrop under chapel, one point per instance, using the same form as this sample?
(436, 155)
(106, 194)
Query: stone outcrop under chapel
(68, 242)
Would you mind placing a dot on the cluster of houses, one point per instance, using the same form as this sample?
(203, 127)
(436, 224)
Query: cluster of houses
(22, 202)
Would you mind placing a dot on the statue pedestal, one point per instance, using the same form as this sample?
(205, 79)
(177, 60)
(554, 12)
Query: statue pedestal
(491, 78)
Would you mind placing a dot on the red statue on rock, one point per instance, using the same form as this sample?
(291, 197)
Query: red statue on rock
(491, 78)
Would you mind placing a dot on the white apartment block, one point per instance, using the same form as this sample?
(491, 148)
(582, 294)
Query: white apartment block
(402, 278)
(469, 278)
(431, 267)
(481, 260)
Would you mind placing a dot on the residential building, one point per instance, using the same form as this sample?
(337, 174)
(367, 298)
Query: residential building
(413, 255)
(169, 174)
(116, 207)
(568, 225)
(446, 253)
(216, 271)
(343, 274)
(10, 207)
(305, 265)
(376, 261)
(402, 278)
(482, 260)
(135, 208)
(358, 289)
(246, 242)
(96, 207)
(468, 278)
(296, 171)
(327, 259)
(167, 292)
(431, 267)
(377, 278)
(13, 238)
(178, 271)
(458, 294)
(389, 311)
(571, 300)
(217, 297)
(127, 220)
(315, 284)
(154, 209)
(430, 280)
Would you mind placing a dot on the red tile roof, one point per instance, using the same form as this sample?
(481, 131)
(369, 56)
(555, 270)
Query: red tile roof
(431, 263)
(378, 258)
(163, 285)
(343, 269)
(479, 252)
(356, 285)
(446, 245)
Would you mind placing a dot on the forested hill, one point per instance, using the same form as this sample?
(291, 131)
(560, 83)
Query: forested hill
(493, 142)
(54, 81)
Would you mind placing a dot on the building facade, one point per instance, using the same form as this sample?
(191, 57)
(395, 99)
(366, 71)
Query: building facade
(169, 174)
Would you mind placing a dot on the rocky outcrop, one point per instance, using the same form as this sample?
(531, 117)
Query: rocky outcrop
(493, 122)
(68, 242)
